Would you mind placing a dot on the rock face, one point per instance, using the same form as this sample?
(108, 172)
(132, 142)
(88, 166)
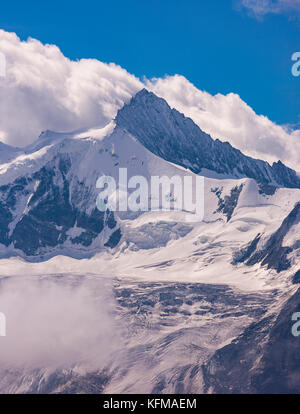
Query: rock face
(264, 359)
(229, 203)
(273, 253)
(41, 211)
(170, 135)
(296, 277)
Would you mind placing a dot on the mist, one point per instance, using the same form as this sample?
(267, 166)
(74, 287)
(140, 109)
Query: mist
(57, 322)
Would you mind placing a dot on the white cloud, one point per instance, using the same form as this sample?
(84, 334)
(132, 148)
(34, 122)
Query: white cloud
(260, 8)
(58, 321)
(45, 90)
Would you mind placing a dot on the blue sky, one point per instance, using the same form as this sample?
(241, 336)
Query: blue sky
(217, 45)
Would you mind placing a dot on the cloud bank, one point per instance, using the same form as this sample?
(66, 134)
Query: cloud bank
(45, 90)
(57, 322)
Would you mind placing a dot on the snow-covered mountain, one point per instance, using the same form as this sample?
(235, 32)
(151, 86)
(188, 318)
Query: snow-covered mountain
(48, 192)
(177, 285)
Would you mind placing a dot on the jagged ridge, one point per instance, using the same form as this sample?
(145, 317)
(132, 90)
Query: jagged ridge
(170, 135)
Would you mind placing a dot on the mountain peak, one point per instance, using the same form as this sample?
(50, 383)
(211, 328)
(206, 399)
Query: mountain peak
(145, 98)
(170, 135)
(145, 94)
